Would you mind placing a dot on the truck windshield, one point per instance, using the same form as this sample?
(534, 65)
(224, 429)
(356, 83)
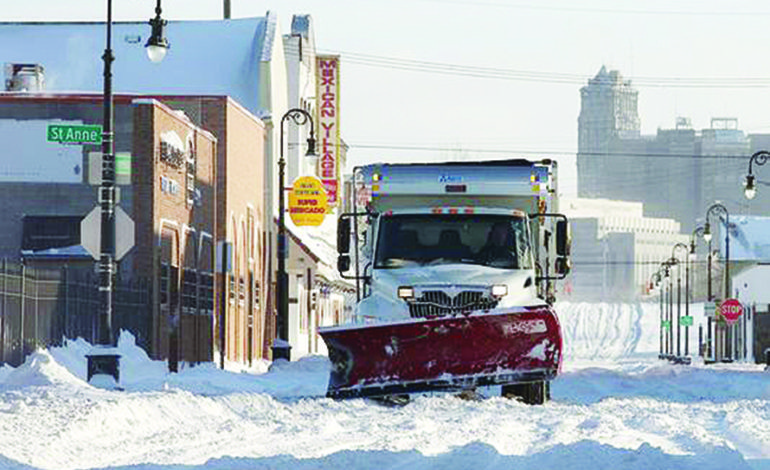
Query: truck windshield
(499, 241)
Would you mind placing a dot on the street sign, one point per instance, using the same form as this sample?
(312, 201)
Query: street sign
(307, 201)
(731, 310)
(710, 309)
(665, 324)
(91, 232)
(123, 167)
(685, 320)
(74, 134)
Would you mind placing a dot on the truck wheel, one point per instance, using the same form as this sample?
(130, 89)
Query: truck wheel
(531, 393)
(392, 400)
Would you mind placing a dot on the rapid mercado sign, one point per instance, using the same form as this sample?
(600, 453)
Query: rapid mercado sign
(307, 201)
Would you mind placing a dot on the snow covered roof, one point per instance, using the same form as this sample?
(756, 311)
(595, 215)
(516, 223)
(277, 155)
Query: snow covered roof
(206, 57)
(749, 238)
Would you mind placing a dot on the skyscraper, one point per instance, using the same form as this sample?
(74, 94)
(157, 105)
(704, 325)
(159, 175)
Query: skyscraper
(608, 124)
(677, 173)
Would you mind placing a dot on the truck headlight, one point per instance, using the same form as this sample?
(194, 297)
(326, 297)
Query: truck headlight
(499, 290)
(405, 292)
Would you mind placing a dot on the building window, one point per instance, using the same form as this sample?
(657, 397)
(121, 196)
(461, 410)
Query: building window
(44, 232)
(206, 292)
(191, 166)
(189, 290)
(164, 279)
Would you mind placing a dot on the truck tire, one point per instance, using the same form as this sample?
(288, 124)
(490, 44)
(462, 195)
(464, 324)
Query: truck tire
(531, 393)
(392, 401)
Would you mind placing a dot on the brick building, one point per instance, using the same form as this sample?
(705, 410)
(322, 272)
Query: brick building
(184, 187)
(240, 218)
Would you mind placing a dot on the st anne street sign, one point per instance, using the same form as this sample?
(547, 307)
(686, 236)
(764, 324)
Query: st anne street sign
(74, 134)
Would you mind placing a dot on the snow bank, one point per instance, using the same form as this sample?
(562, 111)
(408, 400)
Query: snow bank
(582, 455)
(615, 406)
(67, 364)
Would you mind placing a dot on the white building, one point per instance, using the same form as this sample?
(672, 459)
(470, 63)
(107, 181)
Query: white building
(615, 248)
(317, 293)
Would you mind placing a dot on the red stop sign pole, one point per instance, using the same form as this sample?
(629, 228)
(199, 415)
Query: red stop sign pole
(731, 309)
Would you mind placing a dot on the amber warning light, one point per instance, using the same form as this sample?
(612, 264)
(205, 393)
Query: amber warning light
(455, 188)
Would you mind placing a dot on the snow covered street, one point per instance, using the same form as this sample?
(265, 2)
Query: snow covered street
(614, 406)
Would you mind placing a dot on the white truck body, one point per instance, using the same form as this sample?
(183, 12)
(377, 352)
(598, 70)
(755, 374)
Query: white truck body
(475, 190)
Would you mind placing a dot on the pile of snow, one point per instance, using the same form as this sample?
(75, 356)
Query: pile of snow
(615, 406)
(67, 364)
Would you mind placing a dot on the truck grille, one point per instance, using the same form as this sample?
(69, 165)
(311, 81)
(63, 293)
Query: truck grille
(435, 303)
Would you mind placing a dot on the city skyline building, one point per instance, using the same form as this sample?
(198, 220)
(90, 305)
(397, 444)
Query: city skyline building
(676, 173)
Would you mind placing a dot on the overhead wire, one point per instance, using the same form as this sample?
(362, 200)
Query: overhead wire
(577, 9)
(474, 71)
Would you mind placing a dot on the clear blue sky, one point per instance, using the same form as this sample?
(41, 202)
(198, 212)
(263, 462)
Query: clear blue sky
(544, 50)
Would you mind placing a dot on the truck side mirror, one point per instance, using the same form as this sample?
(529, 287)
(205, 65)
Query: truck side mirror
(343, 263)
(343, 236)
(563, 266)
(563, 238)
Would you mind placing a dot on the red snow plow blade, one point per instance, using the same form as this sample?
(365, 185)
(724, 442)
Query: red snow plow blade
(484, 348)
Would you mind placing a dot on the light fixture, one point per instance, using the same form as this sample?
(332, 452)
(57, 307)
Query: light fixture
(749, 189)
(405, 292)
(707, 233)
(499, 290)
(157, 45)
(311, 147)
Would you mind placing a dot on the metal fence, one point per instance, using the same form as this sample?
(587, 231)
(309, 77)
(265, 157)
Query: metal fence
(39, 307)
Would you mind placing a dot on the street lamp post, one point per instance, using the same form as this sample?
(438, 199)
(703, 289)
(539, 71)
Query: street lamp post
(281, 347)
(670, 266)
(104, 360)
(686, 296)
(717, 209)
(749, 185)
(698, 232)
(655, 283)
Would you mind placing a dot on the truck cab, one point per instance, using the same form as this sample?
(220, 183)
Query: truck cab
(435, 262)
(454, 265)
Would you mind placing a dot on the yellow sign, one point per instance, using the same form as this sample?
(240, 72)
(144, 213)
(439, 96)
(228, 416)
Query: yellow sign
(307, 201)
(328, 123)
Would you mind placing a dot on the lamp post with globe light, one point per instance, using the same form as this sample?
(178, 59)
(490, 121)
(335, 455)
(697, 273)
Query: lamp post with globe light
(749, 185)
(669, 265)
(655, 282)
(281, 347)
(684, 247)
(719, 209)
(103, 361)
(716, 209)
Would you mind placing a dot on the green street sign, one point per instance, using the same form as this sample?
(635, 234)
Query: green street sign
(74, 134)
(685, 320)
(665, 324)
(123, 164)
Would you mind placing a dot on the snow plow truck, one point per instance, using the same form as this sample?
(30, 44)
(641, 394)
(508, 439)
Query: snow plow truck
(455, 266)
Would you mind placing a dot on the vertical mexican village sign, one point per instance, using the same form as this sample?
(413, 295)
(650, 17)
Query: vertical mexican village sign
(328, 109)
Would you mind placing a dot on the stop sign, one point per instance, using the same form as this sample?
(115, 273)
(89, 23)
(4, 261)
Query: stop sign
(731, 309)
